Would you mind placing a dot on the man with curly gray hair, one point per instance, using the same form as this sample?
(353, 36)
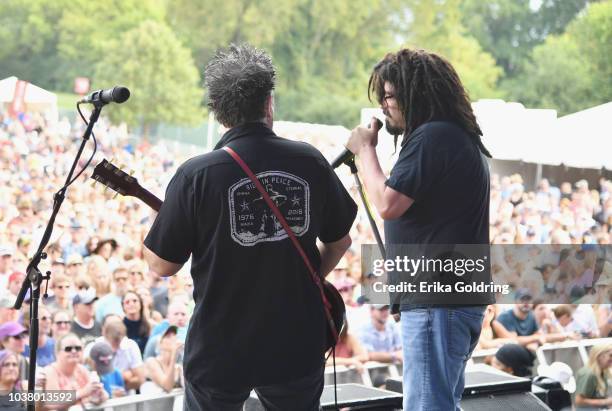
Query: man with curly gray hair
(258, 321)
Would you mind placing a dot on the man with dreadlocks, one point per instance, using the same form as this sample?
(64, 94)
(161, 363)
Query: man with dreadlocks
(437, 194)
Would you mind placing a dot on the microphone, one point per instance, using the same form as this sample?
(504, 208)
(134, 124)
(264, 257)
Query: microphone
(346, 155)
(117, 94)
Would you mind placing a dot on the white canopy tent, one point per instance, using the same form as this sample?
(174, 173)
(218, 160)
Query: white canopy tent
(35, 98)
(586, 137)
(513, 132)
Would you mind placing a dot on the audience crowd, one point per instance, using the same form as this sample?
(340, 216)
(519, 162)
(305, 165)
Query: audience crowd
(111, 327)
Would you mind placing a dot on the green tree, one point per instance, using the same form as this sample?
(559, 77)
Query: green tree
(326, 56)
(160, 73)
(593, 33)
(29, 39)
(570, 72)
(555, 78)
(205, 26)
(510, 29)
(87, 27)
(436, 25)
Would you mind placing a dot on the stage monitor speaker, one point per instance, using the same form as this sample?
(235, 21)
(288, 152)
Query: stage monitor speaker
(514, 401)
(489, 389)
(353, 396)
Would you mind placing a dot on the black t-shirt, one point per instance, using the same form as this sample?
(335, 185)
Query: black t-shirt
(446, 175)
(133, 333)
(258, 317)
(86, 335)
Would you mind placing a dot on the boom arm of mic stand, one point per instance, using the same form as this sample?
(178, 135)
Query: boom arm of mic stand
(381, 246)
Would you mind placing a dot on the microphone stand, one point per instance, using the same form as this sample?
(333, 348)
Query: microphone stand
(34, 277)
(351, 163)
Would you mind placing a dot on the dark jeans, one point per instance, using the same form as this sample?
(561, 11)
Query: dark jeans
(301, 394)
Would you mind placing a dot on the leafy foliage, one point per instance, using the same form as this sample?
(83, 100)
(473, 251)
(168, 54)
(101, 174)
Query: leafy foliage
(160, 73)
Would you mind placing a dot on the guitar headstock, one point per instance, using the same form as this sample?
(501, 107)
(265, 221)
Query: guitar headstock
(116, 179)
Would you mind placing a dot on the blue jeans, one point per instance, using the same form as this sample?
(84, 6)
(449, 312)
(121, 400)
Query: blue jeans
(437, 342)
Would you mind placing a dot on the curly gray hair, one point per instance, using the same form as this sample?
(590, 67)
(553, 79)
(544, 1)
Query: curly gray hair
(239, 79)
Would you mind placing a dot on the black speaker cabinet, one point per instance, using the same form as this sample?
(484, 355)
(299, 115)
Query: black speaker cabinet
(488, 389)
(353, 396)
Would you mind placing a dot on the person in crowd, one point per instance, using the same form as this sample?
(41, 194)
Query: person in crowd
(98, 273)
(592, 381)
(15, 281)
(10, 382)
(545, 319)
(74, 265)
(58, 267)
(7, 312)
(13, 338)
(84, 324)
(6, 265)
(174, 289)
(45, 354)
(111, 303)
(147, 300)
(381, 338)
(62, 287)
(519, 323)
(514, 359)
(163, 372)
(357, 315)
(137, 324)
(349, 351)
(604, 314)
(488, 339)
(105, 248)
(69, 373)
(584, 320)
(76, 244)
(101, 354)
(177, 317)
(136, 270)
(61, 323)
(126, 353)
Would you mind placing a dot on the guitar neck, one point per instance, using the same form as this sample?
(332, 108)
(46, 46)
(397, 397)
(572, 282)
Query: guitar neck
(149, 198)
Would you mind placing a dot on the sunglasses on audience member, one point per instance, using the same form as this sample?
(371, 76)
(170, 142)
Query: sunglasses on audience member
(75, 348)
(62, 323)
(20, 336)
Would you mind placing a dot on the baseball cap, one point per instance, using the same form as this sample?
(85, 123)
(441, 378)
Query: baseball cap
(522, 294)
(102, 355)
(582, 184)
(172, 329)
(517, 357)
(561, 372)
(380, 306)
(16, 276)
(7, 301)
(11, 329)
(6, 250)
(74, 259)
(86, 296)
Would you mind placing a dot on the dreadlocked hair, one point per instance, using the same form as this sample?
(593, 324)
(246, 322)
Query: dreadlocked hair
(427, 88)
